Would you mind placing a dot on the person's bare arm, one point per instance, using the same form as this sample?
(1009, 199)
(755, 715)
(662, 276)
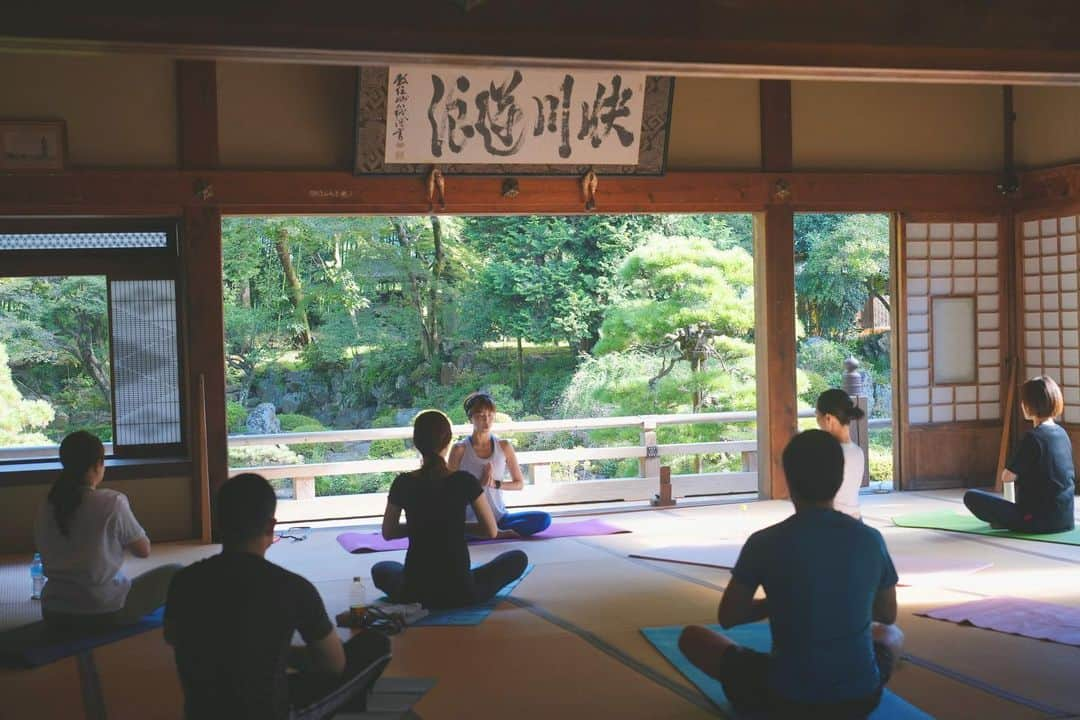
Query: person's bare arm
(884, 610)
(517, 481)
(392, 527)
(456, 453)
(327, 655)
(485, 525)
(140, 548)
(738, 606)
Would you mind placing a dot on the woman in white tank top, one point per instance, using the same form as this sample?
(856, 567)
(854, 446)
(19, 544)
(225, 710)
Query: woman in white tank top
(490, 458)
(835, 411)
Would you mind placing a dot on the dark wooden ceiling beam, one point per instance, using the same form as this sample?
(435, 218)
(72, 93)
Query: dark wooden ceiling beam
(1002, 36)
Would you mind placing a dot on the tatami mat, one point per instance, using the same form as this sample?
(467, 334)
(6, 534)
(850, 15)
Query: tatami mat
(567, 641)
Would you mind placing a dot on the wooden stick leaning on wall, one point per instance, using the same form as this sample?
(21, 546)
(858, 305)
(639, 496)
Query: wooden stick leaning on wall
(204, 467)
(1003, 448)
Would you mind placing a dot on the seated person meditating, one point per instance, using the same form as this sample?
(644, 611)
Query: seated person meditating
(82, 531)
(1041, 468)
(488, 458)
(437, 572)
(830, 597)
(231, 618)
(835, 411)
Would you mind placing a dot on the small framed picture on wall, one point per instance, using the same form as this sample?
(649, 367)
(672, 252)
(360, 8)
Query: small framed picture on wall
(28, 145)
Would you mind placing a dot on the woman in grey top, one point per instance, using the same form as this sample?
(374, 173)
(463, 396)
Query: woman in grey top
(82, 532)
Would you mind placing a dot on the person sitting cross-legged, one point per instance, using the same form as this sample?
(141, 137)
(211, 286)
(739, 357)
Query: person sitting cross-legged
(231, 618)
(830, 597)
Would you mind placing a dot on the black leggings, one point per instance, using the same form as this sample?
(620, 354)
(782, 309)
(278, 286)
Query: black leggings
(999, 512)
(487, 580)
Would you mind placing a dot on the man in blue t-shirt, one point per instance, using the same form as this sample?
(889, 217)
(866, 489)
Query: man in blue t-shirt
(830, 597)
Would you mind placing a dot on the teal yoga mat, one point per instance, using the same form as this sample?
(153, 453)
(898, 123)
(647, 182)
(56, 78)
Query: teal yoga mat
(472, 615)
(757, 637)
(965, 522)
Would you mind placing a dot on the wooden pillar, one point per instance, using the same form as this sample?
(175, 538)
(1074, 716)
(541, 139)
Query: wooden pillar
(205, 333)
(200, 255)
(774, 253)
(196, 105)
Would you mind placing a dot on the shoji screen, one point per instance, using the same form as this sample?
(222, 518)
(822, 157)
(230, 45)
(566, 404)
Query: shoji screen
(1049, 344)
(952, 280)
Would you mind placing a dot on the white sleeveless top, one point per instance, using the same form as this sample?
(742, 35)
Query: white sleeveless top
(847, 497)
(474, 465)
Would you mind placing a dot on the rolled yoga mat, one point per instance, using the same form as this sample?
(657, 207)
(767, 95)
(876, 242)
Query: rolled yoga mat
(912, 569)
(357, 543)
(964, 522)
(756, 637)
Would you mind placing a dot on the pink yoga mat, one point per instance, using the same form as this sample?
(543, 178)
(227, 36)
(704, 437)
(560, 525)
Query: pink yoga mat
(1030, 618)
(356, 543)
(912, 569)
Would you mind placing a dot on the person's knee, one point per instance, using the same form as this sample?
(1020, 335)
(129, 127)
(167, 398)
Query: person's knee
(694, 642)
(519, 561)
(543, 522)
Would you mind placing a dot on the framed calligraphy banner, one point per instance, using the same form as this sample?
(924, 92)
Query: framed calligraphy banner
(539, 121)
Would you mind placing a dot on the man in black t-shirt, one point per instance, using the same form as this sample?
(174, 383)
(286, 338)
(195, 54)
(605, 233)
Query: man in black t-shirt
(231, 620)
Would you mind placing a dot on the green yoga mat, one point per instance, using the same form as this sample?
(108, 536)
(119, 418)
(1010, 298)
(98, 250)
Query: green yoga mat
(965, 522)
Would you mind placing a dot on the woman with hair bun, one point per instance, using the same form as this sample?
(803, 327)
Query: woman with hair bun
(835, 411)
(82, 532)
(437, 571)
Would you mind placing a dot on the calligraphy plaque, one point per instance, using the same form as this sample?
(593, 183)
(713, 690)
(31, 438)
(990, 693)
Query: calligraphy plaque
(510, 120)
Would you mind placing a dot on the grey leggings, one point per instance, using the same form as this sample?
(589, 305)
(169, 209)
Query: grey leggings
(147, 594)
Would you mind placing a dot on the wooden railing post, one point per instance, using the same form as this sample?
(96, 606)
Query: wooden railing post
(650, 464)
(303, 488)
(540, 474)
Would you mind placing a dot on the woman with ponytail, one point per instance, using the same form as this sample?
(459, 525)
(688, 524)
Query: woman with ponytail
(437, 572)
(835, 411)
(82, 532)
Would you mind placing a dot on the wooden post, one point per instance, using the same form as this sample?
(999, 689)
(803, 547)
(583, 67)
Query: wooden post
(540, 474)
(196, 103)
(663, 497)
(650, 464)
(303, 488)
(203, 477)
(774, 288)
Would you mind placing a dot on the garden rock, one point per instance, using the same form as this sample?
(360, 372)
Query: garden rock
(262, 420)
(290, 402)
(404, 418)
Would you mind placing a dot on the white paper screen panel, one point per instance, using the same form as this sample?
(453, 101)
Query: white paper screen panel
(1050, 314)
(954, 343)
(952, 275)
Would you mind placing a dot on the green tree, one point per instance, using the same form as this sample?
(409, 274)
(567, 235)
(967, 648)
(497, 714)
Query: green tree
(20, 417)
(842, 269)
(687, 302)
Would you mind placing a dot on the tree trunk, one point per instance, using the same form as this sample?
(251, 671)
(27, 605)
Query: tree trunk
(438, 266)
(427, 348)
(296, 290)
(521, 368)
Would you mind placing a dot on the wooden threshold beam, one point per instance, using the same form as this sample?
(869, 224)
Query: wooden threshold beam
(167, 192)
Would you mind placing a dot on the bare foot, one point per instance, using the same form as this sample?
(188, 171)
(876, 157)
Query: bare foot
(507, 535)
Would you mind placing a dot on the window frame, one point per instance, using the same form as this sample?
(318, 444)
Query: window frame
(114, 264)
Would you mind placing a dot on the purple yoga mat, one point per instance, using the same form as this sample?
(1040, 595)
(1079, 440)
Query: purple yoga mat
(1030, 618)
(356, 543)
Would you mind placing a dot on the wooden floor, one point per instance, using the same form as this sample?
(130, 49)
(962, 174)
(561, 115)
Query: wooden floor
(568, 645)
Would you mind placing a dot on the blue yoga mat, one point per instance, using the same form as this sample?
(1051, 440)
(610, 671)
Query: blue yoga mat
(472, 615)
(37, 644)
(756, 637)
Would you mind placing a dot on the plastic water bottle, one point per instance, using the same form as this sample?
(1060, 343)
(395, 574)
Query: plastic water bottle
(357, 600)
(37, 577)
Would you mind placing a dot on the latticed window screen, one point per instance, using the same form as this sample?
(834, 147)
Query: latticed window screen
(83, 241)
(145, 363)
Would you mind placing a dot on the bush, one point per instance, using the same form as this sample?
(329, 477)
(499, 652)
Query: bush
(312, 452)
(823, 363)
(352, 484)
(255, 455)
(235, 417)
(292, 422)
(387, 448)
